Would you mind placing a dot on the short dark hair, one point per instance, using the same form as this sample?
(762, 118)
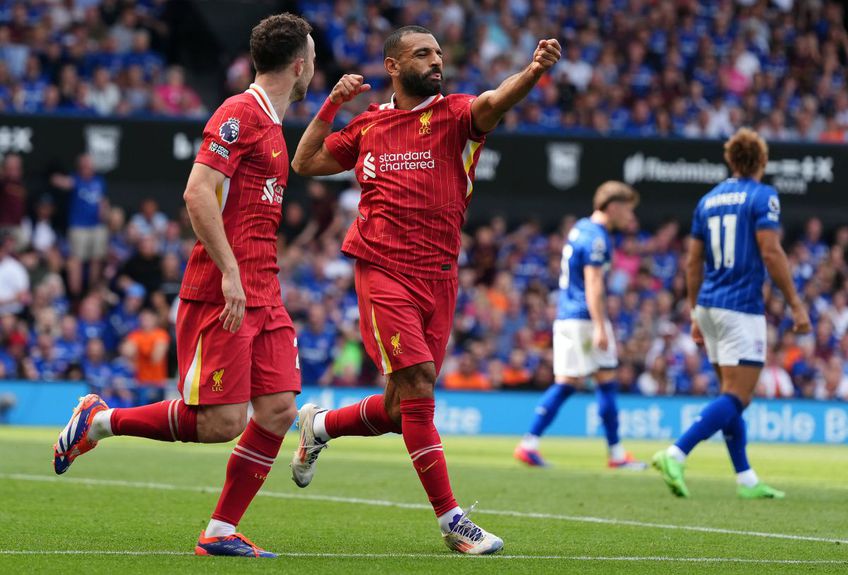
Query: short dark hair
(277, 40)
(391, 46)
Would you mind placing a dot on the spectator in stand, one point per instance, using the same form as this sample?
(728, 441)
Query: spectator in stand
(148, 346)
(175, 98)
(95, 366)
(69, 345)
(515, 374)
(316, 347)
(14, 280)
(87, 232)
(39, 232)
(125, 317)
(45, 362)
(91, 322)
(13, 198)
(103, 96)
(774, 380)
(149, 221)
(145, 266)
(467, 376)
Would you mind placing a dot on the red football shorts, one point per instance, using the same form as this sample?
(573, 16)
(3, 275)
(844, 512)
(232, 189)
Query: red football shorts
(217, 366)
(404, 320)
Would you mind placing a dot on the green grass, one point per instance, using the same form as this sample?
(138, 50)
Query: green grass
(39, 512)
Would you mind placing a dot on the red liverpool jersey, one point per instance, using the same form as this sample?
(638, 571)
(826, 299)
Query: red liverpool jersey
(244, 141)
(416, 168)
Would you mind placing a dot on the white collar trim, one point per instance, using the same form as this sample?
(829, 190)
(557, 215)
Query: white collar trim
(264, 101)
(390, 105)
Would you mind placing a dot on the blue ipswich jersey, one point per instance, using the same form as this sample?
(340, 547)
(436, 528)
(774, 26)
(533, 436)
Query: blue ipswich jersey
(85, 202)
(726, 220)
(589, 244)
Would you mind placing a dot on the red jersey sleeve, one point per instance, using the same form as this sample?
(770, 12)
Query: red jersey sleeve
(344, 144)
(229, 135)
(460, 107)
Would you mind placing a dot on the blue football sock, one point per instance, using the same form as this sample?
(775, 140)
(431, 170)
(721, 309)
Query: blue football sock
(736, 439)
(717, 415)
(548, 408)
(608, 410)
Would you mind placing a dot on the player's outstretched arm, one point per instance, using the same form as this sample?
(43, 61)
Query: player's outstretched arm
(488, 109)
(312, 158)
(774, 258)
(205, 213)
(694, 279)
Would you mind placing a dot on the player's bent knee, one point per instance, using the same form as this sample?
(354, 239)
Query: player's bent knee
(221, 425)
(417, 380)
(276, 413)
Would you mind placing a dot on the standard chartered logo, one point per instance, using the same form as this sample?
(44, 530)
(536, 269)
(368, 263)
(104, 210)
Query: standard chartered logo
(396, 162)
(368, 167)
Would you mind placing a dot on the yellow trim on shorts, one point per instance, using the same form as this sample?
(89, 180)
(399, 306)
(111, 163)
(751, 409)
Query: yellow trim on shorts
(387, 365)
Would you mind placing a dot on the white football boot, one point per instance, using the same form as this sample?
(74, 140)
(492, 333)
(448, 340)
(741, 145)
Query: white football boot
(306, 455)
(466, 537)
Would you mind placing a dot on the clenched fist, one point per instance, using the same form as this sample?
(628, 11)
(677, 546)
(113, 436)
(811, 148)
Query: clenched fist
(347, 88)
(547, 53)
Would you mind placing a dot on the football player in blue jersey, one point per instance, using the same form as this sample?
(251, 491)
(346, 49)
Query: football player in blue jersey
(735, 239)
(583, 338)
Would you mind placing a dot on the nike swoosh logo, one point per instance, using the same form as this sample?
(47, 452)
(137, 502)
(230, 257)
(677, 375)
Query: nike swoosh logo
(275, 154)
(366, 128)
(426, 469)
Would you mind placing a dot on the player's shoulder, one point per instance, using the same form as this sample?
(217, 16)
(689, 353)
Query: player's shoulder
(765, 189)
(583, 231)
(242, 109)
(457, 103)
(461, 99)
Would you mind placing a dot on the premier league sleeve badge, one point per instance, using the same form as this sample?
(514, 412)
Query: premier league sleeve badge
(229, 130)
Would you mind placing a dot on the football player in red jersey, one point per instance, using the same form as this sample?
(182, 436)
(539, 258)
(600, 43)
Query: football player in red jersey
(415, 158)
(235, 342)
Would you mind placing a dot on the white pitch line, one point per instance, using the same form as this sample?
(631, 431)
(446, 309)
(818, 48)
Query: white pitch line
(585, 558)
(384, 503)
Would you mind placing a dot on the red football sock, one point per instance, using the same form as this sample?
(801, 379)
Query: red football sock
(247, 470)
(425, 448)
(368, 417)
(166, 421)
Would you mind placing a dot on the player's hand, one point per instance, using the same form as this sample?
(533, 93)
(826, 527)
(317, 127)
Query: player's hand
(235, 301)
(599, 338)
(697, 336)
(347, 88)
(800, 318)
(547, 53)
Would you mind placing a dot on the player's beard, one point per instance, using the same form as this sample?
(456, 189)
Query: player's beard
(420, 84)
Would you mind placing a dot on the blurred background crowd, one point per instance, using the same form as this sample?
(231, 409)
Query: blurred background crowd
(684, 68)
(89, 292)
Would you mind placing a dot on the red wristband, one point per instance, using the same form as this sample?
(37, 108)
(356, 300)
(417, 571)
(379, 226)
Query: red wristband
(328, 111)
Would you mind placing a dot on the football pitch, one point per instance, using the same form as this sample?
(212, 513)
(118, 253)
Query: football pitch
(135, 506)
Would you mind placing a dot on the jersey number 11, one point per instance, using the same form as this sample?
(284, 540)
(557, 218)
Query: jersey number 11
(728, 222)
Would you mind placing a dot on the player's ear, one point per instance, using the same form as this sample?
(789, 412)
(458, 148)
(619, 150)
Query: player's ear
(299, 66)
(392, 66)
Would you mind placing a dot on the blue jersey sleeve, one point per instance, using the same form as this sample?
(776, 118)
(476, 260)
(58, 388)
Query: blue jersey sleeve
(766, 209)
(596, 251)
(697, 224)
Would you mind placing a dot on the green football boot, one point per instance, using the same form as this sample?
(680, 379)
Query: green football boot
(759, 491)
(672, 472)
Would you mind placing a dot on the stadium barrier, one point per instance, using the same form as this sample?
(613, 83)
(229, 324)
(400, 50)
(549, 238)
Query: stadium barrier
(509, 413)
(522, 175)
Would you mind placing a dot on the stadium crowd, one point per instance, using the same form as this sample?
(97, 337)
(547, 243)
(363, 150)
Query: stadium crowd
(91, 57)
(87, 292)
(682, 68)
